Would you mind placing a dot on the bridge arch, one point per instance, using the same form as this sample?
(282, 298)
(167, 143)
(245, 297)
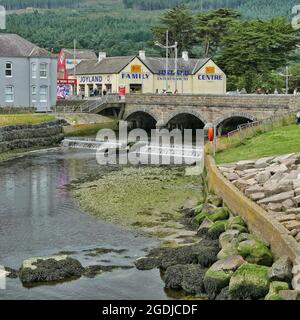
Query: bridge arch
(230, 121)
(141, 118)
(186, 117)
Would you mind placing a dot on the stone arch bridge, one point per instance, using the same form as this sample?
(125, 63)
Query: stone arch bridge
(200, 110)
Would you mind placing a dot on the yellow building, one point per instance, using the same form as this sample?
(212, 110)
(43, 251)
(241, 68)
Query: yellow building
(141, 74)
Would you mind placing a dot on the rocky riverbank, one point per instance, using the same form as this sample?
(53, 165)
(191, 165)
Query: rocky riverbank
(274, 184)
(226, 263)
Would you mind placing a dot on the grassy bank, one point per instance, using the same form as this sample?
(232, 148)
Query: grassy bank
(13, 119)
(282, 140)
(80, 130)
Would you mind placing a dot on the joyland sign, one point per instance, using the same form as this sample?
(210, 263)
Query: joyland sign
(90, 79)
(210, 75)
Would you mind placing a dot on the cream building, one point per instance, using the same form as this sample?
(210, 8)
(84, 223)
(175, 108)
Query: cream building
(142, 74)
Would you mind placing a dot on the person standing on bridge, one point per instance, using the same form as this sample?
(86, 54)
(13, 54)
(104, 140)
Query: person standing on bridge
(298, 117)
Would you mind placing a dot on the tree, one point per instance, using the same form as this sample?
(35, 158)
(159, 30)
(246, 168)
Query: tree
(212, 26)
(257, 47)
(180, 24)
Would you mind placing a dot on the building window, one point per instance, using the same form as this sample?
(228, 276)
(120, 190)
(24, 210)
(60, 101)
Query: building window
(8, 69)
(43, 70)
(9, 94)
(33, 94)
(43, 94)
(33, 70)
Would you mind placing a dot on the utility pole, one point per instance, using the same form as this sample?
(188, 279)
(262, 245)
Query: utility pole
(74, 69)
(176, 64)
(167, 47)
(287, 80)
(167, 58)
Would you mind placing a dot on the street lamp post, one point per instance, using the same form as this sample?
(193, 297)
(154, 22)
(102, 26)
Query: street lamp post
(167, 47)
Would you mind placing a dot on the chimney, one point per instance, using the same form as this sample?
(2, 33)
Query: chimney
(102, 55)
(185, 55)
(142, 55)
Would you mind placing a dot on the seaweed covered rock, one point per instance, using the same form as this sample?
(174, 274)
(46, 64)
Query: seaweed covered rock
(186, 277)
(219, 214)
(204, 227)
(203, 253)
(255, 251)
(147, 263)
(216, 229)
(249, 281)
(281, 270)
(45, 269)
(237, 223)
(218, 275)
(224, 294)
(275, 288)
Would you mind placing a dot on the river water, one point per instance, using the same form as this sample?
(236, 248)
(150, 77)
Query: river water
(39, 218)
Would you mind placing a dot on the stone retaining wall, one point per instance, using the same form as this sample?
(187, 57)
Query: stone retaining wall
(27, 136)
(256, 217)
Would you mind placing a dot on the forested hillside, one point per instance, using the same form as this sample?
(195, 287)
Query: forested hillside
(43, 4)
(248, 8)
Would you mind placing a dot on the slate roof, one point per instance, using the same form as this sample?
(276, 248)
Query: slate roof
(156, 65)
(80, 54)
(12, 45)
(113, 65)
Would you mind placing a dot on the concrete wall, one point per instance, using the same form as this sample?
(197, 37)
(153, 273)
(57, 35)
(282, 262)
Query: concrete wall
(25, 136)
(257, 219)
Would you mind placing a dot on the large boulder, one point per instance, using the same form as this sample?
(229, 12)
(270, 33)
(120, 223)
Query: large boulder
(224, 294)
(249, 281)
(45, 269)
(289, 295)
(275, 288)
(255, 251)
(204, 227)
(228, 237)
(281, 270)
(218, 275)
(216, 229)
(187, 277)
(229, 250)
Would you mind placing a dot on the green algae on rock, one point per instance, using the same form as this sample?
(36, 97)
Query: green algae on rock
(250, 281)
(144, 197)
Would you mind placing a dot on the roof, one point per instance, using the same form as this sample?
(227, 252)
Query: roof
(156, 65)
(113, 65)
(12, 45)
(80, 54)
